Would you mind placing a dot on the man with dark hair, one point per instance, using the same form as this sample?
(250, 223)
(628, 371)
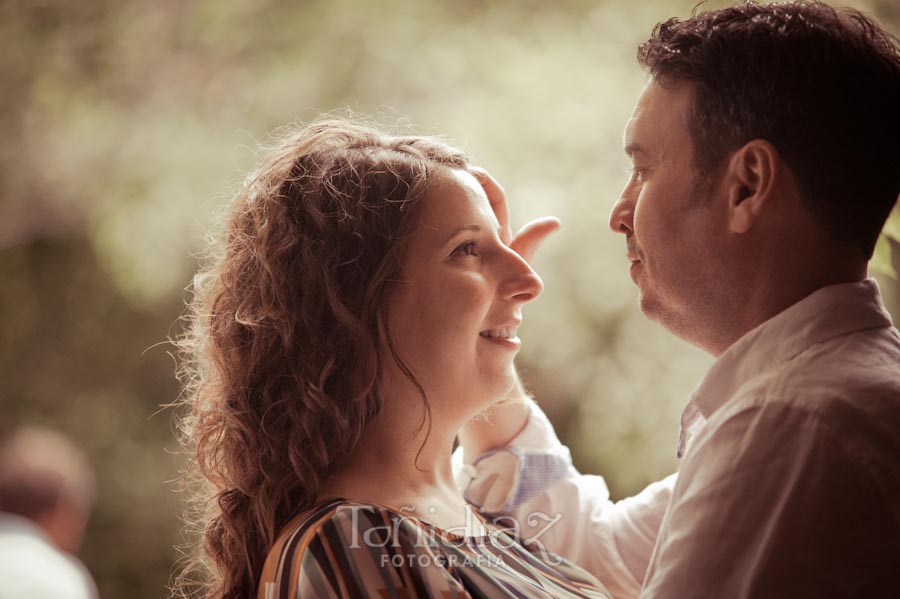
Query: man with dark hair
(819, 84)
(46, 494)
(766, 152)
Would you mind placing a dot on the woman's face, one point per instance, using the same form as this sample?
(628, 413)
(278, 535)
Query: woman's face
(454, 319)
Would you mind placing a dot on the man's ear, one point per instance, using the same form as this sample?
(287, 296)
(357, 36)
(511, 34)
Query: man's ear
(751, 175)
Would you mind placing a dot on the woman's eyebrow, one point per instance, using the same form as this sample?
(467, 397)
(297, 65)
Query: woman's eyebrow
(462, 228)
(473, 227)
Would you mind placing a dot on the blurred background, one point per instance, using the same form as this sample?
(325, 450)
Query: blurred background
(127, 126)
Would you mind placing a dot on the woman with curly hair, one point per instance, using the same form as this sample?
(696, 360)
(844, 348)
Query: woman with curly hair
(362, 308)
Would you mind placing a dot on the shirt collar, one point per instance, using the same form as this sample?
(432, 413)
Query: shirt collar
(829, 312)
(15, 524)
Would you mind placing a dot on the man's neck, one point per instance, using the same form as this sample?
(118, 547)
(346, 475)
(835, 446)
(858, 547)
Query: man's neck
(772, 292)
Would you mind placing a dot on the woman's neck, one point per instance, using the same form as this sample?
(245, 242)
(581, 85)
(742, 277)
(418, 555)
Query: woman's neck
(402, 465)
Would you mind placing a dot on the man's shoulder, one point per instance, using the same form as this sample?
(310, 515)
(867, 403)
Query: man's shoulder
(34, 568)
(859, 372)
(846, 387)
(868, 353)
(840, 398)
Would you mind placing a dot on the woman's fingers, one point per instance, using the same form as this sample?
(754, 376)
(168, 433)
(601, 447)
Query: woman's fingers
(497, 197)
(531, 236)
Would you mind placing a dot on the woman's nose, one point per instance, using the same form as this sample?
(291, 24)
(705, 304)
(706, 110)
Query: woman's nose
(520, 283)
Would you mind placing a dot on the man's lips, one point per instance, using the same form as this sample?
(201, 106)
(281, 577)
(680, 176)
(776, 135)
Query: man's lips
(635, 266)
(631, 250)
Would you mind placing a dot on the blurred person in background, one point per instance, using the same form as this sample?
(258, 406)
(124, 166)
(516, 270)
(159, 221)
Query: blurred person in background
(360, 306)
(46, 496)
(766, 153)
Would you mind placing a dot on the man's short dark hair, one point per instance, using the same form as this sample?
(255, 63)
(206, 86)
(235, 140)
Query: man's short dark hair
(39, 470)
(821, 84)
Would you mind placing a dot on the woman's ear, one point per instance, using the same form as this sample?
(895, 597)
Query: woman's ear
(750, 182)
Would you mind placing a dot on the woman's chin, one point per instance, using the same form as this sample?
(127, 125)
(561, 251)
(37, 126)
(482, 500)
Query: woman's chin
(500, 387)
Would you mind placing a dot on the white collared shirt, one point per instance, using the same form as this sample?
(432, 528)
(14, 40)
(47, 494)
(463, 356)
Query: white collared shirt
(790, 483)
(31, 567)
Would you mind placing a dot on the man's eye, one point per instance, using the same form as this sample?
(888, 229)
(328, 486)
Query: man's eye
(466, 249)
(635, 172)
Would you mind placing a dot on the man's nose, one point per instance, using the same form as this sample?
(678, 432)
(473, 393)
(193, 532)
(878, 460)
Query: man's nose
(520, 283)
(621, 219)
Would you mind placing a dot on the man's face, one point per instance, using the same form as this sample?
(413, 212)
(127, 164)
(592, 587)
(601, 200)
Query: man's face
(672, 234)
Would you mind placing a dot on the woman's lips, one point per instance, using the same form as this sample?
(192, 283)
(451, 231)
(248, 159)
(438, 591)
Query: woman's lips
(505, 335)
(512, 343)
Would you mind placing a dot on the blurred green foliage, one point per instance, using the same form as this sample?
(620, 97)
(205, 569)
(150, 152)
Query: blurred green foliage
(126, 125)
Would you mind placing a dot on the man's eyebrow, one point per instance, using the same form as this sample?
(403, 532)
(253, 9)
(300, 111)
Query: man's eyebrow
(632, 148)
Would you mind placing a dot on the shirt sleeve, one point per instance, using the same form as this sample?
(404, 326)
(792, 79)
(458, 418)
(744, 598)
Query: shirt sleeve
(363, 551)
(535, 489)
(775, 502)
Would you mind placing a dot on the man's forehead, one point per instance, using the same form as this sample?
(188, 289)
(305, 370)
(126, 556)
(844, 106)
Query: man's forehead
(630, 140)
(660, 112)
(634, 140)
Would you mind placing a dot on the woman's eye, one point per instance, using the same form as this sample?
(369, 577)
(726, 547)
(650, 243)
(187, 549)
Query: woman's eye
(466, 249)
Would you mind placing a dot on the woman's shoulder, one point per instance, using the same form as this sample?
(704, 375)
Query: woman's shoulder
(353, 518)
(320, 515)
(335, 549)
(295, 536)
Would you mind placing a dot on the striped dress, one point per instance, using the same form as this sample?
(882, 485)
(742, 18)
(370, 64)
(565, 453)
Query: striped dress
(347, 550)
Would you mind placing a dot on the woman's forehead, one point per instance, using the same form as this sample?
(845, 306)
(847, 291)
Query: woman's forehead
(457, 200)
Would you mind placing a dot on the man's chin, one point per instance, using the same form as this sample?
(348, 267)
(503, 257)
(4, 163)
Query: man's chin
(648, 304)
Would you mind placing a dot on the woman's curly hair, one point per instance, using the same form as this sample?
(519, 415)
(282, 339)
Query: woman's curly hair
(281, 358)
